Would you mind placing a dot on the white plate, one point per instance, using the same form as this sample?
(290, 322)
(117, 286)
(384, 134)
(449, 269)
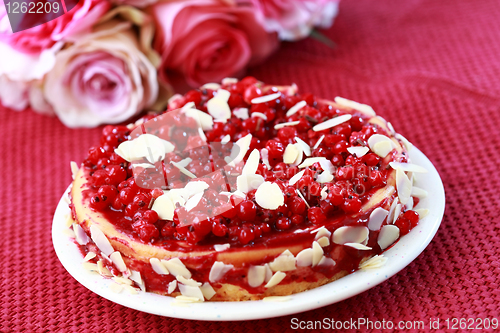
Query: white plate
(400, 255)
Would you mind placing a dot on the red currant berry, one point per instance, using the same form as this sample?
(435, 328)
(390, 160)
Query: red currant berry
(316, 215)
(283, 223)
(247, 210)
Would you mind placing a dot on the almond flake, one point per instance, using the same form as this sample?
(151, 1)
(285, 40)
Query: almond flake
(202, 134)
(418, 192)
(390, 216)
(366, 109)
(74, 169)
(397, 211)
(387, 236)
(302, 197)
(269, 273)
(296, 178)
(116, 258)
(158, 266)
(408, 145)
(188, 105)
(252, 163)
(241, 147)
(246, 183)
(164, 207)
(403, 185)
(204, 120)
(324, 177)
(358, 246)
(193, 201)
(266, 98)
(174, 97)
(310, 161)
(207, 291)
(101, 240)
(218, 270)
(195, 187)
(325, 261)
(192, 292)
(225, 139)
(211, 85)
(324, 192)
(290, 123)
(256, 276)
(291, 153)
(305, 147)
(221, 247)
(269, 196)
(316, 145)
(241, 113)
(391, 128)
(228, 81)
(223, 94)
(136, 277)
(89, 256)
(377, 217)
(380, 149)
(264, 155)
(103, 270)
(131, 290)
(283, 262)
(172, 286)
(183, 169)
(358, 151)
(374, 262)
(332, 122)
(80, 235)
(276, 279)
(408, 167)
(188, 282)
(277, 299)
(422, 212)
(324, 241)
(321, 232)
(259, 115)
(218, 108)
(348, 234)
(297, 107)
(317, 253)
(116, 288)
(305, 258)
(176, 267)
(409, 204)
(90, 266)
(122, 281)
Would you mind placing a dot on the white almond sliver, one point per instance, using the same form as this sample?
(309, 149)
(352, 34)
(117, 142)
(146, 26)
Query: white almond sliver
(158, 266)
(283, 263)
(374, 262)
(291, 154)
(176, 267)
(211, 85)
(241, 113)
(116, 258)
(204, 120)
(218, 270)
(317, 253)
(408, 167)
(409, 204)
(242, 145)
(290, 123)
(164, 207)
(305, 258)
(310, 161)
(276, 279)
(91, 267)
(116, 288)
(89, 256)
(387, 236)
(302, 197)
(297, 107)
(252, 163)
(324, 177)
(101, 240)
(390, 216)
(382, 148)
(208, 291)
(358, 246)
(266, 98)
(332, 122)
(324, 241)
(228, 81)
(185, 162)
(246, 183)
(419, 192)
(221, 247)
(74, 169)
(348, 234)
(188, 282)
(269, 196)
(408, 145)
(366, 109)
(404, 186)
(218, 108)
(256, 276)
(196, 187)
(264, 154)
(269, 273)
(225, 139)
(321, 232)
(296, 177)
(316, 145)
(376, 218)
(183, 169)
(358, 151)
(305, 147)
(172, 286)
(397, 211)
(193, 201)
(80, 235)
(259, 115)
(223, 94)
(376, 138)
(190, 291)
(325, 261)
(324, 193)
(423, 212)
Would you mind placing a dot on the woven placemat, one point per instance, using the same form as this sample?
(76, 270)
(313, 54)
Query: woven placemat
(430, 67)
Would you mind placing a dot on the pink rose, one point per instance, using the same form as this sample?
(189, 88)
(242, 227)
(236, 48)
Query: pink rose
(135, 3)
(207, 40)
(294, 19)
(79, 20)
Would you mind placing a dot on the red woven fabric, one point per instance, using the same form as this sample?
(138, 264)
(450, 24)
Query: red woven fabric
(430, 67)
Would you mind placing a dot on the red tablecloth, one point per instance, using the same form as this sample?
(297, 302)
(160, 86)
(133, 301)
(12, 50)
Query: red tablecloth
(431, 67)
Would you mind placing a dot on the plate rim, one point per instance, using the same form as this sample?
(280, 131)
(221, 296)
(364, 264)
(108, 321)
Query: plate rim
(65, 249)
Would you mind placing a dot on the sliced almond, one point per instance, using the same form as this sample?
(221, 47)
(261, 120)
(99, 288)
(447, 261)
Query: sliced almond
(229, 81)
(195, 187)
(223, 94)
(290, 123)
(269, 273)
(382, 148)
(408, 167)
(259, 115)
(218, 270)
(390, 216)
(241, 113)
(297, 107)
(404, 186)
(80, 235)
(193, 201)
(74, 168)
(374, 262)
(116, 258)
(324, 241)
(264, 154)
(349, 234)
(423, 212)
(89, 256)
(190, 291)
(211, 85)
(101, 240)
(397, 211)
(332, 122)
(321, 232)
(221, 247)
(291, 154)
(256, 276)
(310, 161)
(324, 192)
(225, 139)
(387, 236)
(207, 291)
(218, 108)
(116, 288)
(269, 196)
(408, 145)
(358, 246)
(243, 145)
(317, 253)
(358, 151)
(316, 145)
(164, 207)
(419, 192)
(305, 147)
(266, 98)
(248, 182)
(366, 109)
(91, 267)
(409, 204)
(158, 266)
(188, 282)
(296, 177)
(283, 263)
(324, 177)
(276, 279)
(252, 163)
(305, 258)
(176, 267)
(325, 261)
(377, 216)
(172, 286)
(183, 170)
